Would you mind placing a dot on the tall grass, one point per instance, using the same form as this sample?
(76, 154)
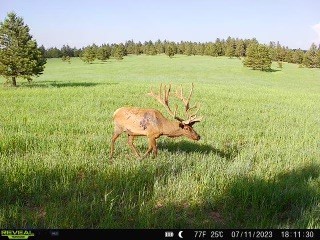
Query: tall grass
(257, 164)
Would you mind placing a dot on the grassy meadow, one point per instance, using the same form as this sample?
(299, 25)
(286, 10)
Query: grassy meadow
(257, 164)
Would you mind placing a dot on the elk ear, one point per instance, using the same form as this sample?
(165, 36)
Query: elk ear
(195, 121)
(191, 124)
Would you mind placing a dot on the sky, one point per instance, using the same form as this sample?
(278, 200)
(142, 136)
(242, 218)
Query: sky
(79, 23)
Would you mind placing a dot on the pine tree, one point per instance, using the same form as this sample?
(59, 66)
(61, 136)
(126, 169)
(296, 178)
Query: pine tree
(240, 50)
(104, 52)
(170, 50)
(311, 58)
(89, 54)
(219, 46)
(129, 45)
(188, 49)
(258, 57)
(138, 48)
(66, 50)
(66, 59)
(199, 49)
(19, 55)
(181, 48)
(297, 56)
(159, 47)
(289, 56)
(211, 50)
(53, 53)
(118, 51)
(280, 53)
(149, 48)
(272, 50)
(230, 47)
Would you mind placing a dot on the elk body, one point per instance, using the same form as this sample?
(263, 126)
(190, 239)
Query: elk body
(152, 124)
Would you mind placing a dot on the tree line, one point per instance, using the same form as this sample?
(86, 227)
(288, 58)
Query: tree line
(21, 57)
(230, 47)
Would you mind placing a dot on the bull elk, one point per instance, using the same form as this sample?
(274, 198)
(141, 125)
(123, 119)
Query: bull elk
(151, 123)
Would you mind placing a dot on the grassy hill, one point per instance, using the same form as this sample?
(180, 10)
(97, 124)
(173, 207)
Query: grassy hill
(257, 164)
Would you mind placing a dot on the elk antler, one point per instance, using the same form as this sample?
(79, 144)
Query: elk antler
(165, 100)
(191, 118)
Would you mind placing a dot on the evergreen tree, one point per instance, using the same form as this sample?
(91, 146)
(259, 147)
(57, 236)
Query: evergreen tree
(265, 59)
(289, 56)
(89, 54)
(248, 42)
(159, 47)
(66, 50)
(149, 48)
(77, 52)
(297, 56)
(170, 50)
(138, 48)
(272, 50)
(258, 57)
(104, 52)
(42, 50)
(66, 59)
(311, 58)
(211, 50)
(182, 47)
(219, 45)
(129, 45)
(19, 55)
(230, 47)
(240, 50)
(198, 49)
(188, 49)
(280, 53)
(53, 53)
(118, 51)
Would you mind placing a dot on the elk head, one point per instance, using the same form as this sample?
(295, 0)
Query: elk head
(186, 125)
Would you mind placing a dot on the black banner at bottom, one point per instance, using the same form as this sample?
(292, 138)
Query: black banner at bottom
(149, 234)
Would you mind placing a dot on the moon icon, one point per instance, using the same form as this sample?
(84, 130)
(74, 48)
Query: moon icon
(180, 234)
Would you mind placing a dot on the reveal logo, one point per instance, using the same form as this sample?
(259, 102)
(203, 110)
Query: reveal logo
(17, 234)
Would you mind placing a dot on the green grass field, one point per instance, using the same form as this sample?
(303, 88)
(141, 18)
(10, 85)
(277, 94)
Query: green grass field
(257, 164)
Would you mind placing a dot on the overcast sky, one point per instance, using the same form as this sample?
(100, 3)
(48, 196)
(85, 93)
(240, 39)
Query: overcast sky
(78, 23)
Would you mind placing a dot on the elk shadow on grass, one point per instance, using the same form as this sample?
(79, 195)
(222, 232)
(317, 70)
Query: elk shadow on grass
(252, 202)
(247, 202)
(229, 152)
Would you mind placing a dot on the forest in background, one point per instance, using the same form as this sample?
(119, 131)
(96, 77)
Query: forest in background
(231, 47)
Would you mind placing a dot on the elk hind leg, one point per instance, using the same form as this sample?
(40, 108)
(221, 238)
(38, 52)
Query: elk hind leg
(134, 149)
(116, 134)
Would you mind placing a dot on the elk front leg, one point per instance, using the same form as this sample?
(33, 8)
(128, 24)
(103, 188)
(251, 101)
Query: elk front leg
(134, 149)
(152, 146)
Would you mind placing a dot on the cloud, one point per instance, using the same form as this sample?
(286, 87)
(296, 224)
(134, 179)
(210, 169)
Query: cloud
(316, 28)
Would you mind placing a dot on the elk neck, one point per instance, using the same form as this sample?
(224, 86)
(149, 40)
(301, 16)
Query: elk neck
(172, 129)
